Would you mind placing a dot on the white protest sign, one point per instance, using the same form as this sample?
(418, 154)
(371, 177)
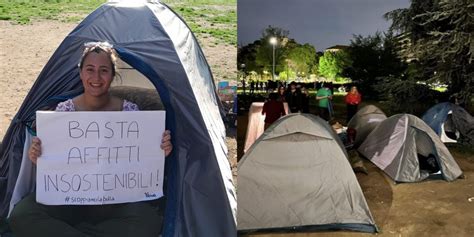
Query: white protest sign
(95, 158)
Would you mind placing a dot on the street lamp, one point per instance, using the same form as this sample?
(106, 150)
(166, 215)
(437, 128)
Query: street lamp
(273, 42)
(242, 66)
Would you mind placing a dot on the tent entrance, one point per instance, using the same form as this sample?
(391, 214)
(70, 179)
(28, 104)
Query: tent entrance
(129, 76)
(428, 160)
(449, 128)
(132, 85)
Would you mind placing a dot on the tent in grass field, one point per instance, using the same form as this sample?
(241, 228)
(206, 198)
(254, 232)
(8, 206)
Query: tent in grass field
(157, 51)
(401, 143)
(297, 176)
(364, 121)
(451, 122)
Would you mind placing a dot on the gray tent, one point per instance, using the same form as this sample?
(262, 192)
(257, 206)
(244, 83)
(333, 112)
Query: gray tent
(364, 121)
(156, 45)
(296, 175)
(397, 143)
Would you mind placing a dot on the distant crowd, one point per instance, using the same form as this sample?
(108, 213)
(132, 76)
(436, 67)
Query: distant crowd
(297, 98)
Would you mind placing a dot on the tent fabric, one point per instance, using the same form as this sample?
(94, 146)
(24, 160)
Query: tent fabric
(153, 40)
(394, 146)
(448, 117)
(364, 121)
(297, 176)
(256, 123)
(464, 123)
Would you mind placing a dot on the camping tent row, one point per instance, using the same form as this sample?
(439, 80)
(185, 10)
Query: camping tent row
(397, 144)
(297, 176)
(156, 45)
(451, 122)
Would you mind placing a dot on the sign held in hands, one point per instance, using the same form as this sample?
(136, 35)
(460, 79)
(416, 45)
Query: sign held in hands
(95, 158)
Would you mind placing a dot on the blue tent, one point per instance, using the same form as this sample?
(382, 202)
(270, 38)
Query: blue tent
(156, 43)
(451, 122)
(437, 115)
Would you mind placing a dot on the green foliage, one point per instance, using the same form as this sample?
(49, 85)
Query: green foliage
(202, 2)
(246, 57)
(287, 75)
(332, 64)
(406, 96)
(440, 33)
(289, 55)
(264, 51)
(302, 58)
(373, 58)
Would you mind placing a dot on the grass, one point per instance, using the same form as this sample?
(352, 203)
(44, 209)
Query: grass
(202, 2)
(23, 12)
(219, 23)
(215, 19)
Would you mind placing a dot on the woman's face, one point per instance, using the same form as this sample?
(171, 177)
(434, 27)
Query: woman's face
(96, 73)
(282, 90)
(353, 89)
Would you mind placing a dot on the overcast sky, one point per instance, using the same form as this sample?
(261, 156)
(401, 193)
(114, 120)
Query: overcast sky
(322, 23)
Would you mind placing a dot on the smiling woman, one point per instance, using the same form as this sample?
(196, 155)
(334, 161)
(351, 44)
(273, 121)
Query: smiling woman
(97, 70)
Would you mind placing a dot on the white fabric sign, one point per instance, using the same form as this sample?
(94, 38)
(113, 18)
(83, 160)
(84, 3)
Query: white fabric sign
(95, 158)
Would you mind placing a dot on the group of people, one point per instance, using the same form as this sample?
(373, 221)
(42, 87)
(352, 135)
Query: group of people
(298, 99)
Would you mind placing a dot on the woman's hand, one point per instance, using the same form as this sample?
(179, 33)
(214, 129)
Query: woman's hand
(166, 143)
(35, 150)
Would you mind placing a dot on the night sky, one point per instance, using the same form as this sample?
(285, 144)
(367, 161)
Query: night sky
(322, 23)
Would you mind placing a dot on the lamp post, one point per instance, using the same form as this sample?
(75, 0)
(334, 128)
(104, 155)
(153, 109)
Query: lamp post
(273, 42)
(242, 66)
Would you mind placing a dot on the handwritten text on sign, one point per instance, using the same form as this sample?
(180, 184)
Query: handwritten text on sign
(94, 158)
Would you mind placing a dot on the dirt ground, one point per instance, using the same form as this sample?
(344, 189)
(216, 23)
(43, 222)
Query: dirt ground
(429, 208)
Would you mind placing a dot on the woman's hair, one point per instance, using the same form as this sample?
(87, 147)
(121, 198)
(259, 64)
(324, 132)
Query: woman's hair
(273, 96)
(98, 47)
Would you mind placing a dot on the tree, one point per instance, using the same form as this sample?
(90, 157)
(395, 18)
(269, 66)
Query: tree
(373, 59)
(303, 58)
(287, 75)
(290, 56)
(264, 54)
(247, 56)
(332, 64)
(441, 36)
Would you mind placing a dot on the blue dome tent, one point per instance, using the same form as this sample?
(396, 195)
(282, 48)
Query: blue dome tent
(451, 122)
(154, 42)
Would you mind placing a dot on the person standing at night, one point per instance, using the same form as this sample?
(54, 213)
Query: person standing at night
(272, 109)
(352, 99)
(324, 97)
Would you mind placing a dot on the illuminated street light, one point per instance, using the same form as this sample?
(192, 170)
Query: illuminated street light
(273, 42)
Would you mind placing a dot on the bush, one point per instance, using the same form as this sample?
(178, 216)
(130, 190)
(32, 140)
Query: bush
(407, 96)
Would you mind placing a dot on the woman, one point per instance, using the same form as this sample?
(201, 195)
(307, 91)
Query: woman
(293, 97)
(272, 109)
(353, 99)
(29, 218)
(281, 94)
